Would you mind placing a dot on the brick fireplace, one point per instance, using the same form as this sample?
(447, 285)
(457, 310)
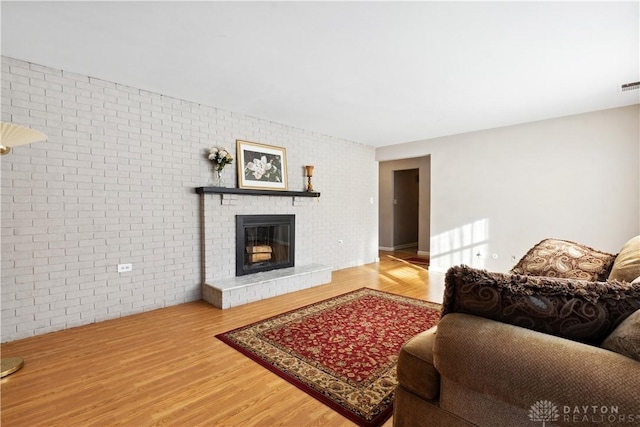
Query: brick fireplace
(261, 249)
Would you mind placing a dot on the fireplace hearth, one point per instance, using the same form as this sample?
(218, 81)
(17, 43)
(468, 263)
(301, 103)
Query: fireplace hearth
(264, 243)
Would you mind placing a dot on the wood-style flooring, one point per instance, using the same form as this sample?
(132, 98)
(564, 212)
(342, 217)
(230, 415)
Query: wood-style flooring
(166, 368)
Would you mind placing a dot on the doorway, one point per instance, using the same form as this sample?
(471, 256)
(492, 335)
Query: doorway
(406, 208)
(404, 189)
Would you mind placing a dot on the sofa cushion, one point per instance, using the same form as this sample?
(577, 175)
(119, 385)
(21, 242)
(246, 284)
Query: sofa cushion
(565, 259)
(625, 339)
(626, 266)
(574, 309)
(416, 372)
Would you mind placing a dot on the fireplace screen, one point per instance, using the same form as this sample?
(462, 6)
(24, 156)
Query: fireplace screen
(264, 242)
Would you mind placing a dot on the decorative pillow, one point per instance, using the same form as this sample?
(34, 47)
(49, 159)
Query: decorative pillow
(565, 259)
(574, 309)
(626, 266)
(625, 339)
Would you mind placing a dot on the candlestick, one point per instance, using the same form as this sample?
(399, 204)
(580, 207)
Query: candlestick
(309, 170)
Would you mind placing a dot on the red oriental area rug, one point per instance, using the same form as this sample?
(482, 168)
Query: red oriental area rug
(343, 351)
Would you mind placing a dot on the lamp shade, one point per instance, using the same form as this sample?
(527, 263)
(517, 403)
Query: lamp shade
(12, 135)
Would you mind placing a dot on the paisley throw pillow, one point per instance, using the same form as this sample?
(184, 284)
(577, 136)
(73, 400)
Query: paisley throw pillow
(565, 259)
(575, 309)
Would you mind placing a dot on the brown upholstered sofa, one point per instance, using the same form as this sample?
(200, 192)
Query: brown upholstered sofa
(524, 350)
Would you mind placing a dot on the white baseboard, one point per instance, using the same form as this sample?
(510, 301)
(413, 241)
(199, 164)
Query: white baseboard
(424, 253)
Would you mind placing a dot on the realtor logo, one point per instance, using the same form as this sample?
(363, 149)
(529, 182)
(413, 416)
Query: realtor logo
(545, 411)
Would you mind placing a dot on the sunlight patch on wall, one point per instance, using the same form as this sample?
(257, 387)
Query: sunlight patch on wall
(461, 245)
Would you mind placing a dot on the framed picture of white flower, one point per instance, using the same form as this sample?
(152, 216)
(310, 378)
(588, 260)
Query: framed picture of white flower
(261, 166)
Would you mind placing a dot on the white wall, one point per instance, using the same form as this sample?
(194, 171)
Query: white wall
(114, 183)
(503, 190)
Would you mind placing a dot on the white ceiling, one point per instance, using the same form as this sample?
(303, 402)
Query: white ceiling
(379, 73)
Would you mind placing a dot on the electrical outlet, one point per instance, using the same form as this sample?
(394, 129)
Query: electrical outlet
(123, 268)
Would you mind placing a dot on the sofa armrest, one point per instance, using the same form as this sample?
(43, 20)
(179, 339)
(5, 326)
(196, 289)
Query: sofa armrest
(415, 367)
(521, 367)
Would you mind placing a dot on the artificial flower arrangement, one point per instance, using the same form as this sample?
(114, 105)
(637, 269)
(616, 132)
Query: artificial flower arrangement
(220, 157)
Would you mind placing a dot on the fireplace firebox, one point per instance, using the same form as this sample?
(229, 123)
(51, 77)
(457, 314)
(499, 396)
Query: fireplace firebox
(264, 242)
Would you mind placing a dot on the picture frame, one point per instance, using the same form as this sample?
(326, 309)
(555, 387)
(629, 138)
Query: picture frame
(261, 166)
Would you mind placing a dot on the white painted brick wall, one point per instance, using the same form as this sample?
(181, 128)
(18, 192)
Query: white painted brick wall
(114, 183)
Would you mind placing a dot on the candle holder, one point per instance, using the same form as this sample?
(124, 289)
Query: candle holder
(309, 171)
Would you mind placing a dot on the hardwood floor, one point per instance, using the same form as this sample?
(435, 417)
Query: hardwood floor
(165, 367)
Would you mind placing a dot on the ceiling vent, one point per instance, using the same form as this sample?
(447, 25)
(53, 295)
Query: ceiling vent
(629, 86)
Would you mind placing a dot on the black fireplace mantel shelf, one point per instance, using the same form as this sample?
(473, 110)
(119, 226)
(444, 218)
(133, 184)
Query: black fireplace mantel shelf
(252, 192)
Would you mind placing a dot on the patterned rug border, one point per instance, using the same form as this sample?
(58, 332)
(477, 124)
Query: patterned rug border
(289, 377)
